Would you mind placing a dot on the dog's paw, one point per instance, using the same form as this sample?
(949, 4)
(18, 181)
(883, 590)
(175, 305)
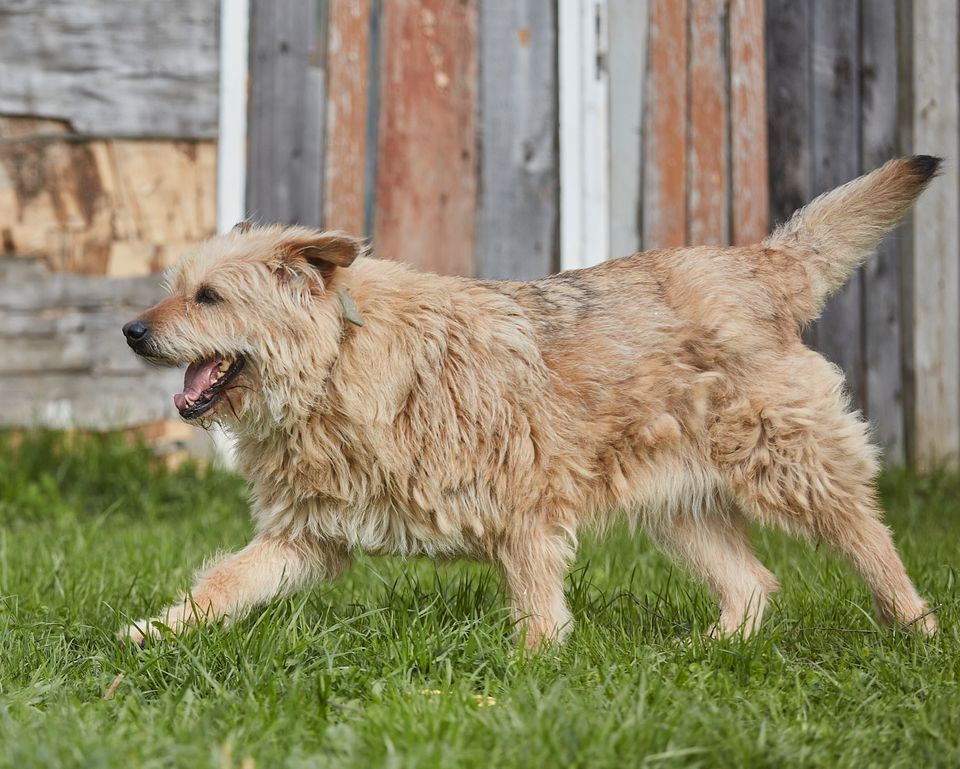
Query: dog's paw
(926, 624)
(137, 633)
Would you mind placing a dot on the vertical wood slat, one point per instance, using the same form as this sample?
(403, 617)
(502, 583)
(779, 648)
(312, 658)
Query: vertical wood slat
(751, 212)
(627, 64)
(584, 148)
(286, 108)
(665, 168)
(707, 169)
(935, 241)
(836, 156)
(788, 106)
(347, 77)
(426, 185)
(518, 199)
(881, 275)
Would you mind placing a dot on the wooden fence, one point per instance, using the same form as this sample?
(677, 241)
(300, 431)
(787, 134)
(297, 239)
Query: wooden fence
(850, 85)
(509, 140)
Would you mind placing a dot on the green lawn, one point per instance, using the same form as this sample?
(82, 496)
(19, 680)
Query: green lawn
(394, 664)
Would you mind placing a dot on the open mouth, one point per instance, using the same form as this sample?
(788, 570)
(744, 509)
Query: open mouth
(204, 383)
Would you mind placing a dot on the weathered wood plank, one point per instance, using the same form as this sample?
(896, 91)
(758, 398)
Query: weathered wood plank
(665, 166)
(707, 170)
(118, 207)
(788, 106)
(426, 186)
(518, 200)
(748, 146)
(112, 68)
(286, 111)
(584, 136)
(881, 277)
(347, 78)
(934, 278)
(627, 45)
(836, 160)
(65, 363)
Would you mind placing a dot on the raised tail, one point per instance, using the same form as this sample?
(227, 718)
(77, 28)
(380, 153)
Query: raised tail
(837, 231)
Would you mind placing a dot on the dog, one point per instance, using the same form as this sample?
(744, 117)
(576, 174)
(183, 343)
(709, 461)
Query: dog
(380, 409)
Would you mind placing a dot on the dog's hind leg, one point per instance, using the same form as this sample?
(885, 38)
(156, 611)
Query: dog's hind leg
(809, 468)
(715, 546)
(267, 567)
(533, 568)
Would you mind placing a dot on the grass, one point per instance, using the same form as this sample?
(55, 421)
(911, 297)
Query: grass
(393, 665)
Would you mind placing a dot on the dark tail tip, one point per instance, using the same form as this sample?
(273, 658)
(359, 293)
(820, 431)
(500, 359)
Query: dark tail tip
(925, 166)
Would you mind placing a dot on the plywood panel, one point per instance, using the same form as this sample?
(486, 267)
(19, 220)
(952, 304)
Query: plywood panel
(348, 57)
(113, 68)
(118, 207)
(518, 201)
(426, 185)
(665, 170)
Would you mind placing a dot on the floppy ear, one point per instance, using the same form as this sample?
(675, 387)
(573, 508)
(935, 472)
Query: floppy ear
(321, 251)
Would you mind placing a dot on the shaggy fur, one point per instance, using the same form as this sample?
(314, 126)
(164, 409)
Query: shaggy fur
(495, 420)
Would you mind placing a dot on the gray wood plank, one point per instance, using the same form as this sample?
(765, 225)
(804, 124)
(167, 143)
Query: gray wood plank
(836, 160)
(789, 112)
(286, 111)
(881, 275)
(113, 68)
(788, 106)
(65, 362)
(518, 196)
(934, 269)
(627, 57)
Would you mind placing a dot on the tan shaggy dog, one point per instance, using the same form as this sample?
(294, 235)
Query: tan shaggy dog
(381, 409)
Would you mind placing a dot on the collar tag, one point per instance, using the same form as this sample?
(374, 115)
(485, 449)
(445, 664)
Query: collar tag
(350, 311)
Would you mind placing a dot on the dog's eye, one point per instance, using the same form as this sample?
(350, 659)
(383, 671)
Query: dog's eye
(206, 295)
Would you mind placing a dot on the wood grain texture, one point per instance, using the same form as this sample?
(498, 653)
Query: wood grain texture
(836, 160)
(117, 207)
(748, 145)
(518, 199)
(789, 106)
(348, 56)
(112, 68)
(426, 185)
(665, 168)
(881, 276)
(934, 276)
(627, 59)
(708, 206)
(286, 112)
(65, 363)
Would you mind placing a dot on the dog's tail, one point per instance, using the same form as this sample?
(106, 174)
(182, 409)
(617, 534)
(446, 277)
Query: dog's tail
(837, 231)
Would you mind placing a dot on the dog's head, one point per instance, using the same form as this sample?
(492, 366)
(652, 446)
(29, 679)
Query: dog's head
(256, 317)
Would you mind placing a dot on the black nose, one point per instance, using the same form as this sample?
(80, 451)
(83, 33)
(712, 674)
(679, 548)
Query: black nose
(135, 331)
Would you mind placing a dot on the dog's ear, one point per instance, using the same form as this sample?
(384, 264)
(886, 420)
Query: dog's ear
(322, 252)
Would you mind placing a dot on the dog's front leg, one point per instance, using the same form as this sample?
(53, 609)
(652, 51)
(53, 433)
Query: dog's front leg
(267, 567)
(533, 568)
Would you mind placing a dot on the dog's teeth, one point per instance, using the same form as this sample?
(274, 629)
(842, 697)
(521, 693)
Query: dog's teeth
(224, 365)
(190, 401)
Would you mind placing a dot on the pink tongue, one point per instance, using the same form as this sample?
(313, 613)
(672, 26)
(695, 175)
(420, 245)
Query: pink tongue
(199, 377)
